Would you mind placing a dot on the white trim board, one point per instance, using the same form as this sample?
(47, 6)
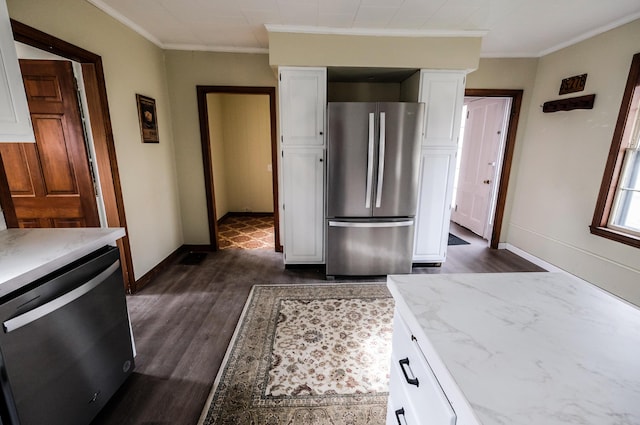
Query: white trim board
(532, 258)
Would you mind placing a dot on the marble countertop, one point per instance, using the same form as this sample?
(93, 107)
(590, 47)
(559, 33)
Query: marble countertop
(28, 254)
(526, 348)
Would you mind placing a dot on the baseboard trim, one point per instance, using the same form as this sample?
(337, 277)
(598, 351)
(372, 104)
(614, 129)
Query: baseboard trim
(170, 259)
(148, 276)
(532, 258)
(198, 248)
(244, 214)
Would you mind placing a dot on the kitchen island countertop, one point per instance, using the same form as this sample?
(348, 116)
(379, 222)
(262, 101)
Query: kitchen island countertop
(526, 348)
(29, 254)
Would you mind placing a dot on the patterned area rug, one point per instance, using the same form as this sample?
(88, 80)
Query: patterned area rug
(246, 232)
(307, 354)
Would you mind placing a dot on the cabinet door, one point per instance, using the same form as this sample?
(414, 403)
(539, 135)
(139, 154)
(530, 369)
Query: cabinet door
(437, 168)
(443, 93)
(15, 123)
(302, 106)
(303, 178)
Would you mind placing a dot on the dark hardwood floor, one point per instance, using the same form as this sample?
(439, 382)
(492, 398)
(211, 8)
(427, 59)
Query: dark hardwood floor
(183, 321)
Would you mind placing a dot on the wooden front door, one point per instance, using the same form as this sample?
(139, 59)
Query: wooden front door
(50, 181)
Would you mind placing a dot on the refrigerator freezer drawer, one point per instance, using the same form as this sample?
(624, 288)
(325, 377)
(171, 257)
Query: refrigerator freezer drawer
(369, 247)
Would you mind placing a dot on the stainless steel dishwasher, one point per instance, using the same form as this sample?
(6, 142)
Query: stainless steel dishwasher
(65, 343)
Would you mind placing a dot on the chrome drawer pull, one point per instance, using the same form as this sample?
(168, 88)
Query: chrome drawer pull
(414, 381)
(398, 413)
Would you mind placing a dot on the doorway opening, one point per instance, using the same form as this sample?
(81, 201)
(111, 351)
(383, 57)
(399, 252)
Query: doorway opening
(237, 126)
(487, 141)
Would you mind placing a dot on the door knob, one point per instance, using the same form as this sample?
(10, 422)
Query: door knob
(486, 181)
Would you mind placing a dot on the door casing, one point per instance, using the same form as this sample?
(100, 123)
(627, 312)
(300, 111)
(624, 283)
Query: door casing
(93, 75)
(203, 114)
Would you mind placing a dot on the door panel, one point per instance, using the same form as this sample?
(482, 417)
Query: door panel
(15, 162)
(350, 137)
(54, 160)
(50, 181)
(395, 191)
(478, 166)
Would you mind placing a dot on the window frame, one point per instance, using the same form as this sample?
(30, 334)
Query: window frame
(614, 167)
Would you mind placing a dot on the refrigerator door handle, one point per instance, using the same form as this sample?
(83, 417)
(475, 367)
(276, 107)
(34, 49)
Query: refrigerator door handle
(372, 129)
(403, 223)
(381, 159)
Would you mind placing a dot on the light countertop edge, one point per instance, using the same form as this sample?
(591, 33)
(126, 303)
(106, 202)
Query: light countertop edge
(463, 410)
(525, 348)
(29, 254)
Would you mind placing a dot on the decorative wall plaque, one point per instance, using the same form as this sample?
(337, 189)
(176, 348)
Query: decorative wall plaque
(573, 84)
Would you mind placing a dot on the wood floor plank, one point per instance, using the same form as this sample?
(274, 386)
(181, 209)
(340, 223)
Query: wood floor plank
(184, 319)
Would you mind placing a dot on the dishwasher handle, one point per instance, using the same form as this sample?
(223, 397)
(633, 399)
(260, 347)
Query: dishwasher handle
(57, 303)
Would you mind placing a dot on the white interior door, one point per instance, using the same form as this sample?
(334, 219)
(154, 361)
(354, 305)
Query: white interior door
(479, 163)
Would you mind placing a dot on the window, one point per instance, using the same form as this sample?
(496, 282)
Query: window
(617, 213)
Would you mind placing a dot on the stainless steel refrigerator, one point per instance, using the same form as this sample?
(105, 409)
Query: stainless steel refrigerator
(373, 156)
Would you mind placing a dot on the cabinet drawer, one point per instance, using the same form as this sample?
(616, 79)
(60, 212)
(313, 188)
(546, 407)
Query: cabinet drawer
(419, 384)
(400, 409)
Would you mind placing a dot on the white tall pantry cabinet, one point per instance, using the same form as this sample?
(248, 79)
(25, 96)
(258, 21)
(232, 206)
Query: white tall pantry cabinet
(443, 94)
(302, 146)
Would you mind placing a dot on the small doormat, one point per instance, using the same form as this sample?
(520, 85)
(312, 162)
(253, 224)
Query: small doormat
(193, 258)
(306, 354)
(454, 240)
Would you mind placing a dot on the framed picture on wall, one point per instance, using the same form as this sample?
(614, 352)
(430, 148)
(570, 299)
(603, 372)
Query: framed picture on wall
(148, 119)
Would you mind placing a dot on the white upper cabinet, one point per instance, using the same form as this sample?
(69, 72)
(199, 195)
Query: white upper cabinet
(302, 106)
(443, 93)
(15, 122)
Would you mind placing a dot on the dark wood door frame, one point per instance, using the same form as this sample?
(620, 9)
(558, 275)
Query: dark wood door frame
(96, 91)
(507, 158)
(203, 113)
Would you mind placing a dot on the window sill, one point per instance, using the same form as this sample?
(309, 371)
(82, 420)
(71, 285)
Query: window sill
(615, 235)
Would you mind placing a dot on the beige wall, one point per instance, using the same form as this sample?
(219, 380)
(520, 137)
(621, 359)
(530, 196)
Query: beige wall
(363, 92)
(186, 70)
(295, 49)
(247, 138)
(240, 130)
(562, 160)
(513, 74)
(131, 65)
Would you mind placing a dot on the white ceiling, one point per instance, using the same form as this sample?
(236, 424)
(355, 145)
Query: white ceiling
(511, 28)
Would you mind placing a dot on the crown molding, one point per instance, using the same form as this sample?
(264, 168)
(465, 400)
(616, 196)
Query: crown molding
(374, 32)
(221, 49)
(125, 21)
(589, 34)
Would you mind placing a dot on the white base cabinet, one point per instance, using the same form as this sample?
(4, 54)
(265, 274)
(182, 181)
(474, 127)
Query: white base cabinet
(303, 205)
(415, 395)
(435, 190)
